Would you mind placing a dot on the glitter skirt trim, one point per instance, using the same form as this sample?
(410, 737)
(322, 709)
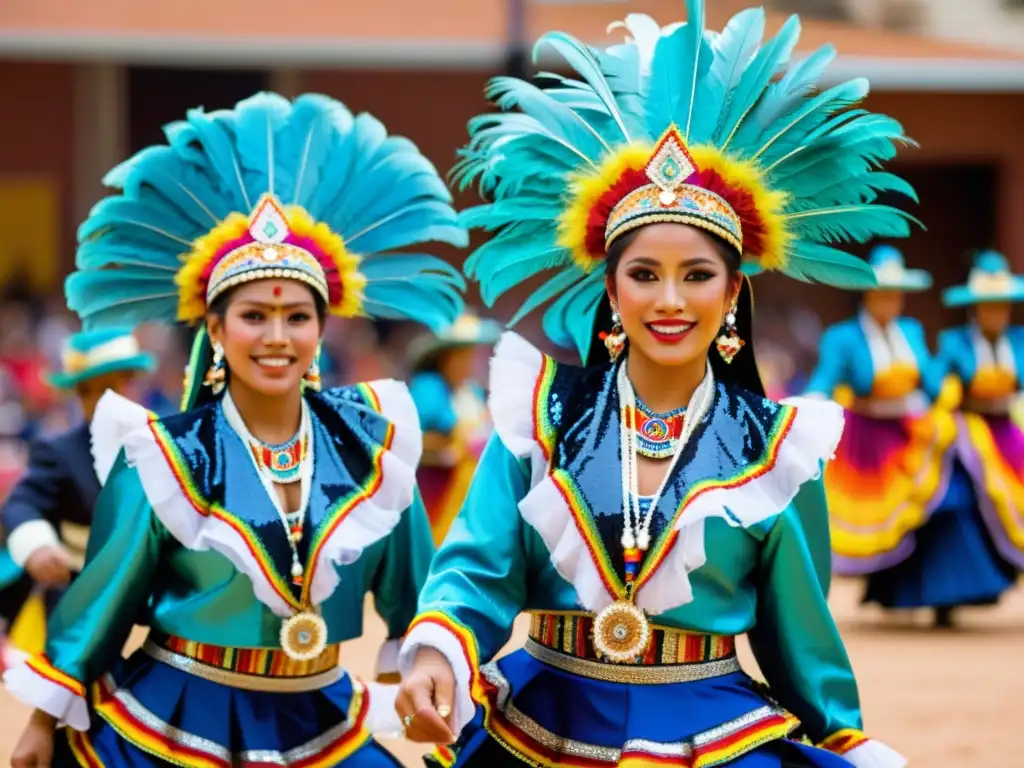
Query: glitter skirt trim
(145, 712)
(544, 716)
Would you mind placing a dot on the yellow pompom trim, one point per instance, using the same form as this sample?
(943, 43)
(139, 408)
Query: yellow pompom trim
(329, 243)
(770, 204)
(585, 189)
(210, 248)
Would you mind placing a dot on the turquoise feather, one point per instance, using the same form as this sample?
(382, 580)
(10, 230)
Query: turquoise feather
(377, 192)
(679, 71)
(844, 223)
(556, 285)
(732, 90)
(768, 61)
(732, 51)
(815, 263)
(587, 65)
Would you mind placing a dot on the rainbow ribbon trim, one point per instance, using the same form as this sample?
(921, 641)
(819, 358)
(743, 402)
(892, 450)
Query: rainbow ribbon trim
(168, 743)
(43, 667)
(584, 520)
(844, 741)
(334, 518)
(543, 430)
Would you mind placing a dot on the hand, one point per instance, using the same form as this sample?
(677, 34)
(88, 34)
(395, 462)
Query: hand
(35, 746)
(49, 566)
(425, 699)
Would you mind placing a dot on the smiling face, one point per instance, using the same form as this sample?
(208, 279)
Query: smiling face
(672, 289)
(270, 331)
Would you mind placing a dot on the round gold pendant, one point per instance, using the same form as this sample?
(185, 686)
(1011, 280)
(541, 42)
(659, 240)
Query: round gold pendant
(304, 636)
(621, 632)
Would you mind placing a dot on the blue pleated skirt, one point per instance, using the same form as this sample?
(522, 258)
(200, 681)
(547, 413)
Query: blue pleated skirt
(539, 715)
(145, 714)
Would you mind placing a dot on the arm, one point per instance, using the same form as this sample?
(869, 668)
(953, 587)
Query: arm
(92, 621)
(797, 645)
(399, 578)
(32, 509)
(477, 582)
(831, 369)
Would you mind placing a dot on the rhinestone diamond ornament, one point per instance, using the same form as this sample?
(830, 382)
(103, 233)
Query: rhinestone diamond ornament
(269, 225)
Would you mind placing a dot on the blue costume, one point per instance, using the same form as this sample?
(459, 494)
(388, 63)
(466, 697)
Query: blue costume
(631, 659)
(970, 550)
(247, 602)
(52, 504)
(892, 466)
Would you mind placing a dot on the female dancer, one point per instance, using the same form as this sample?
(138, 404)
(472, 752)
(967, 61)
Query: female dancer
(453, 415)
(245, 531)
(648, 510)
(889, 471)
(970, 550)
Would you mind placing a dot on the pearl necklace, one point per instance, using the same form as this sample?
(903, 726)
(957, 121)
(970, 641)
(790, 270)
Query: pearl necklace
(636, 532)
(294, 526)
(621, 631)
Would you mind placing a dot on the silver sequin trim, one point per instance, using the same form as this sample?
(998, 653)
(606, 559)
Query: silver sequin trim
(242, 681)
(629, 673)
(217, 751)
(571, 747)
(174, 735)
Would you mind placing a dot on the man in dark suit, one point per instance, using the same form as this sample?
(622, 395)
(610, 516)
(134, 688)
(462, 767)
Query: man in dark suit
(47, 514)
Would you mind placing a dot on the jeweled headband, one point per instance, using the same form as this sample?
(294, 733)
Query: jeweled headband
(273, 242)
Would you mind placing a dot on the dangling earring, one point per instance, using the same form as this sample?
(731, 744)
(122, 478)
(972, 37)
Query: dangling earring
(729, 342)
(614, 340)
(216, 374)
(311, 378)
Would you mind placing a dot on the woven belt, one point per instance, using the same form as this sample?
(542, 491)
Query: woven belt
(251, 669)
(572, 634)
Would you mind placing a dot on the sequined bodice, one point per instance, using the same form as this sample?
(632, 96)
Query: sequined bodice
(610, 524)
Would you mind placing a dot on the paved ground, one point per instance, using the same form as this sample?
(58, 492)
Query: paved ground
(946, 699)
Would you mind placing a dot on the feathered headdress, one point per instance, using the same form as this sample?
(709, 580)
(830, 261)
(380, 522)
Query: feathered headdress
(302, 190)
(676, 124)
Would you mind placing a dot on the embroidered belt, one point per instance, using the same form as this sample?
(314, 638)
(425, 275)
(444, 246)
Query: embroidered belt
(251, 669)
(565, 641)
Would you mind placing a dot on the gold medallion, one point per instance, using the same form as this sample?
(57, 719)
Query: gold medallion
(621, 632)
(304, 636)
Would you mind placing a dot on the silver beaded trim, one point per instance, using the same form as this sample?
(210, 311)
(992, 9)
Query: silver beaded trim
(634, 675)
(268, 273)
(562, 745)
(239, 680)
(181, 738)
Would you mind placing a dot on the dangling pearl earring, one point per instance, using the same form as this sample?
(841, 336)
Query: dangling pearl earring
(614, 340)
(729, 342)
(216, 374)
